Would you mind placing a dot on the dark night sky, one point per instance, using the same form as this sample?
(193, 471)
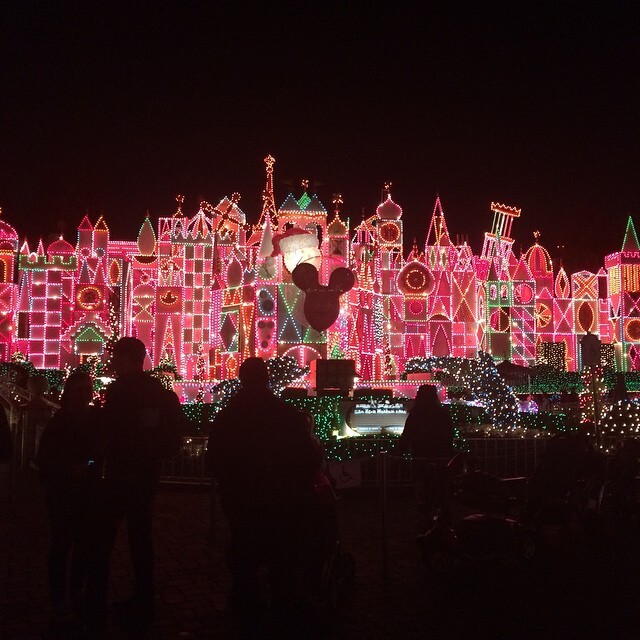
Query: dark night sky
(117, 108)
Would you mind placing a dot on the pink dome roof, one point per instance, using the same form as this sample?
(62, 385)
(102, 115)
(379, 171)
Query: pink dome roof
(60, 247)
(389, 210)
(7, 232)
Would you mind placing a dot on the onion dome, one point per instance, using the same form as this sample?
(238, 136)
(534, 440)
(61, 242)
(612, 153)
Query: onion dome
(389, 210)
(60, 247)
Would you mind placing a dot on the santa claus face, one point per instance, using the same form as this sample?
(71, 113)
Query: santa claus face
(297, 246)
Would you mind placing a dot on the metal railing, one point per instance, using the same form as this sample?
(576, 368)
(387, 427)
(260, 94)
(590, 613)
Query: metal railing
(503, 457)
(189, 466)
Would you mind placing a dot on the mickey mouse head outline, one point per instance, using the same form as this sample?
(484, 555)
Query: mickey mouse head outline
(322, 303)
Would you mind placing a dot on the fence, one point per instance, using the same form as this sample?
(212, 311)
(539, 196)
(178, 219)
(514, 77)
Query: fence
(189, 466)
(503, 457)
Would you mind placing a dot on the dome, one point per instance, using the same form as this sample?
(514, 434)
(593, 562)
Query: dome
(60, 247)
(389, 210)
(538, 260)
(7, 232)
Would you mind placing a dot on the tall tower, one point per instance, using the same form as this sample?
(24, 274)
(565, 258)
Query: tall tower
(498, 241)
(47, 278)
(623, 269)
(170, 288)
(269, 270)
(144, 269)
(8, 287)
(388, 301)
(440, 258)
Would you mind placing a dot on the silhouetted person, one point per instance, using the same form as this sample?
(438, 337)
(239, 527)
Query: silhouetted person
(618, 392)
(6, 458)
(6, 438)
(34, 416)
(142, 423)
(264, 460)
(428, 436)
(322, 525)
(623, 470)
(67, 466)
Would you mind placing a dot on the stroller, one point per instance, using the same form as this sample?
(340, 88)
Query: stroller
(578, 496)
(486, 524)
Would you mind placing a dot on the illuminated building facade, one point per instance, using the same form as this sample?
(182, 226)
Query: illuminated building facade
(206, 291)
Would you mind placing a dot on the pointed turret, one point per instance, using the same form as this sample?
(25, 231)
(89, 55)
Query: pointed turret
(85, 236)
(100, 238)
(522, 272)
(493, 275)
(266, 241)
(438, 234)
(630, 242)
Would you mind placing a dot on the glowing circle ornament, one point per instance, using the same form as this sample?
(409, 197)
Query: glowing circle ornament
(415, 279)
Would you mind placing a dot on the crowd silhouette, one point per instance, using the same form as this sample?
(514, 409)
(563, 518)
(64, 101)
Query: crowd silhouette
(99, 462)
(99, 465)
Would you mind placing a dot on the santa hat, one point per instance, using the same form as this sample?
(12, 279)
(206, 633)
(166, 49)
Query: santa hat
(293, 239)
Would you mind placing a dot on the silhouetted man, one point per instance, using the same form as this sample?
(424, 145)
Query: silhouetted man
(264, 460)
(142, 423)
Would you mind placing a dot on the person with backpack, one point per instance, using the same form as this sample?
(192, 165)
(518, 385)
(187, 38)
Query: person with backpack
(141, 423)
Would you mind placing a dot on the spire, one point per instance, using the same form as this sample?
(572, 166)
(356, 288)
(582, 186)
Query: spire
(438, 234)
(630, 242)
(180, 201)
(269, 211)
(266, 242)
(101, 225)
(337, 201)
(414, 254)
(85, 224)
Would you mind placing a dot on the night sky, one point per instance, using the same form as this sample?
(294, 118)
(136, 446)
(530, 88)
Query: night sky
(115, 109)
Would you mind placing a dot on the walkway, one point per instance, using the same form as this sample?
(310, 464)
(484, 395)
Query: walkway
(560, 597)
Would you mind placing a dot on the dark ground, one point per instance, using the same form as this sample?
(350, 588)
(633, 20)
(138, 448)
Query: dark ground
(566, 593)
